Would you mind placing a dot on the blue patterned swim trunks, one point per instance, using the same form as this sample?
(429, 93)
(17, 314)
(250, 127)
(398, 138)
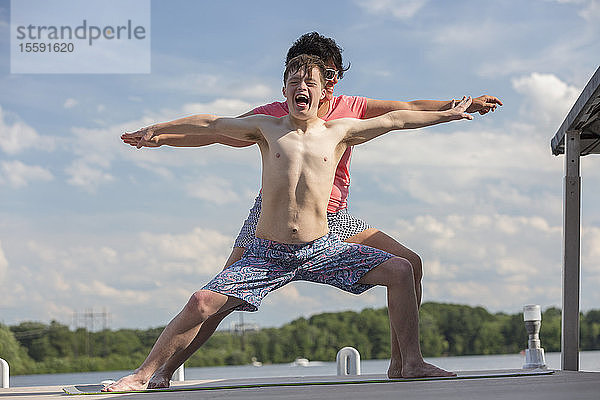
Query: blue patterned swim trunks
(268, 265)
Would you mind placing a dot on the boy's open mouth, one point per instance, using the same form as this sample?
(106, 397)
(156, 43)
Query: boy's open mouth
(301, 100)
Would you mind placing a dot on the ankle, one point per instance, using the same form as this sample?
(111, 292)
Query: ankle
(141, 376)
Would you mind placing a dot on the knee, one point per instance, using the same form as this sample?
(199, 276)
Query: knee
(401, 269)
(417, 265)
(200, 304)
(414, 259)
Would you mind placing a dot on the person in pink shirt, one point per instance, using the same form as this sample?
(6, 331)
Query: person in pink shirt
(346, 226)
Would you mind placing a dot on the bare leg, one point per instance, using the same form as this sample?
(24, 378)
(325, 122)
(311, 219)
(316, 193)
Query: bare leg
(370, 237)
(162, 377)
(375, 238)
(176, 336)
(397, 275)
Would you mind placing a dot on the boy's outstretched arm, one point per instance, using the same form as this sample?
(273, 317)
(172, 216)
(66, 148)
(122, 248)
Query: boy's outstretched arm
(363, 130)
(482, 104)
(244, 129)
(177, 138)
(181, 140)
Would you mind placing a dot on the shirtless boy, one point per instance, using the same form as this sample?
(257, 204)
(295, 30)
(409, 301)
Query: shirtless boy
(300, 153)
(347, 226)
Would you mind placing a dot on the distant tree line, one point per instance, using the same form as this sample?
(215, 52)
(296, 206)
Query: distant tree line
(446, 329)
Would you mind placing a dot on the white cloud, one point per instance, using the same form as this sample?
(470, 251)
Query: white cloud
(52, 280)
(475, 258)
(75, 259)
(70, 103)
(18, 174)
(213, 189)
(400, 9)
(222, 107)
(215, 85)
(590, 250)
(57, 276)
(201, 251)
(477, 168)
(471, 146)
(3, 264)
(106, 292)
(256, 91)
(451, 37)
(16, 135)
(547, 98)
(290, 296)
(87, 176)
(591, 11)
(96, 149)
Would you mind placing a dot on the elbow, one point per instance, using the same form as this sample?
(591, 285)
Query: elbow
(396, 121)
(207, 123)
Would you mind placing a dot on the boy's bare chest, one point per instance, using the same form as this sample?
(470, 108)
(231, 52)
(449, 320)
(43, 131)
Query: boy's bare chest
(308, 151)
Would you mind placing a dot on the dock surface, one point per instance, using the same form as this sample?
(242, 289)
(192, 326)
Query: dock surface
(561, 385)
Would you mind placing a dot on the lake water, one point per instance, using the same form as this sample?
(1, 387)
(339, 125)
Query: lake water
(588, 361)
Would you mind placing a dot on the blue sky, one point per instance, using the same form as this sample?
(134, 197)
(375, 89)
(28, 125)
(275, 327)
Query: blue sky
(88, 222)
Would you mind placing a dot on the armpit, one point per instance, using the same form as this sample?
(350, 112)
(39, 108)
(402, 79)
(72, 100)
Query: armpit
(253, 137)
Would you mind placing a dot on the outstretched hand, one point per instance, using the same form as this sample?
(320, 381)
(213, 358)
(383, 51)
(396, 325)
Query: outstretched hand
(459, 109)
(484, 104)
(142, 138)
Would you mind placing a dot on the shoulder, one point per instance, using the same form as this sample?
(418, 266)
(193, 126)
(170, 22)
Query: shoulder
(341, 122)
(261, 120)
(349, 106)
(275, 109)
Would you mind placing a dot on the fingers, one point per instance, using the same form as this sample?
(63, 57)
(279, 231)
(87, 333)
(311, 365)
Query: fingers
(487, 99)
(488, 107)
(495, 100)
(484, 104)
(465, 102)
(462, 106)
(140, 143)
(490, 103)
(135, 138)
(145, 138)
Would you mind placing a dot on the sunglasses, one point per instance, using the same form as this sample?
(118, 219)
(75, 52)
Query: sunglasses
(331, 74)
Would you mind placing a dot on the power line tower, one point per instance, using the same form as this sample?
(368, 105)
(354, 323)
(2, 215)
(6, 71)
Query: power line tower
(90, 321)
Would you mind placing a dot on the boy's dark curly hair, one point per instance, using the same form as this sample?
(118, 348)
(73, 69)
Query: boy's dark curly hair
(318, 45)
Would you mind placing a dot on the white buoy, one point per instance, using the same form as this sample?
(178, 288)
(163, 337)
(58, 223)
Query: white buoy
(348, 361)
(4, 373)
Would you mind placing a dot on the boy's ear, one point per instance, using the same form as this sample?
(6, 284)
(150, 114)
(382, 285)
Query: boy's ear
(322, 94)
(283, 90)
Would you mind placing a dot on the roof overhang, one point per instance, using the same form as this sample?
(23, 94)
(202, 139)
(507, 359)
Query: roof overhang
(583, 117)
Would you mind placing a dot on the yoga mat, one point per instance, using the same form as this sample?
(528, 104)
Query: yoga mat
(221, 384)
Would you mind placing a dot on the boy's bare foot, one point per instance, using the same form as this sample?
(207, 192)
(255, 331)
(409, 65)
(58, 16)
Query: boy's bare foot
(126, 384)
(423, 370)
(160, 380)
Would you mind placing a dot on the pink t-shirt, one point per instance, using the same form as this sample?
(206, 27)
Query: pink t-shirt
(340, 107)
